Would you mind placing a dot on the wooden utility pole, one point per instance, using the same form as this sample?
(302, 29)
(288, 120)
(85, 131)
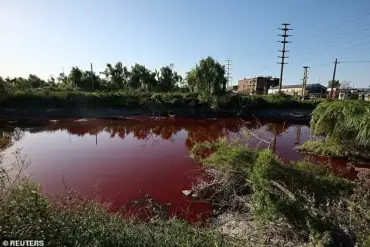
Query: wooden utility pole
(332, 82)
(304, 84)
(92, 77)
(283, 51)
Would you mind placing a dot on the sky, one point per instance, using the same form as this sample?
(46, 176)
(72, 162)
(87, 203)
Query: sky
(43, 37)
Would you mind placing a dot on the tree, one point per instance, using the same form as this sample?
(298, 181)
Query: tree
(208, 78)
(168, 79)
(141, 77)
(345, 84)
(336, 83)
(62, 78)
(90, 81)
(51, 81)
(117, 75)
(75, 76)
(34, 81)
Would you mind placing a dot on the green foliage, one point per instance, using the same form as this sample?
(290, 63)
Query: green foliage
(327, 148)
(66, 96)
(207, 79)
(224, 155)
(344, 122)
(335, 84)
(266, 204)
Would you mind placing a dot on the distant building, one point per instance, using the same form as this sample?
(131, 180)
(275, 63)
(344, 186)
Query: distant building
(257, 85)
(352, 93)
(313, 90)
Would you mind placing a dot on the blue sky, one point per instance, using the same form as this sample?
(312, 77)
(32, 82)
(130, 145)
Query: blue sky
(43, 36)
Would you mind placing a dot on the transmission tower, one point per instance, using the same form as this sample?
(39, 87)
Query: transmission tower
(285, 30)
(228, 73)
(304, 84)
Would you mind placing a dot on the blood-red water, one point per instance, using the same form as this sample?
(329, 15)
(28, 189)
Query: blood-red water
(120, 159)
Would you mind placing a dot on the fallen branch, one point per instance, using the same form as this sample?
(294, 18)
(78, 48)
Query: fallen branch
(285, 190)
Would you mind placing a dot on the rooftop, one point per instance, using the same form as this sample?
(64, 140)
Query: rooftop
(296, 86)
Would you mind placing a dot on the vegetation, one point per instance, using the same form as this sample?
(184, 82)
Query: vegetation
(137, 87)
(335, 84)
(345, 126)
(149, 101)
(280, 204)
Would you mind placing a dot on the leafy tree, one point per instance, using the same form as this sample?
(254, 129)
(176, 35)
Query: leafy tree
(34, 81)
(141, 77)
(21, 83)
(117, 76)
(168, 79)
(51, 81)
(208, 78)
(62, 78)
(336, 83)
(75, 76)
(90, 81)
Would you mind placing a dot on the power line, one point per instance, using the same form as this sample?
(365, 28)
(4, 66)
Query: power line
(364, 61)
(328, 31)
(285, 29)
(344, 50)
(343, 36)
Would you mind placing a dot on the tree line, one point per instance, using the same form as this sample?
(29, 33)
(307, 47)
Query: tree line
(208, 77)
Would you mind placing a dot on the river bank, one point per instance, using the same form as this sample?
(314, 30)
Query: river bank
(50, 113)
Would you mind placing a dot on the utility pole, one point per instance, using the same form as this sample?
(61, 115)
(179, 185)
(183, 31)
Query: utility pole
(92, 77)
(304, 81)
(332, 82)
(283, 51)
(228, 72)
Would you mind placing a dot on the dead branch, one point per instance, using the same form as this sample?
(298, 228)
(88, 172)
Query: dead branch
(285, 190)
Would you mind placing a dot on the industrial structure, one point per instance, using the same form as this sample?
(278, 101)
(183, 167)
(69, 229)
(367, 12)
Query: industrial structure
(311, 90)
(257, 86)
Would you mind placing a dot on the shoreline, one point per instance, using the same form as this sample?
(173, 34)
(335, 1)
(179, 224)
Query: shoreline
(302, 115)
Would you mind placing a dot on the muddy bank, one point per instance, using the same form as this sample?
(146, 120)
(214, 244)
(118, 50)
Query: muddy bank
(275, 114)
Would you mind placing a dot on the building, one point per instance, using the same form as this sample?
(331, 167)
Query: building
(257, 85)
(312, 90)
(349, 93)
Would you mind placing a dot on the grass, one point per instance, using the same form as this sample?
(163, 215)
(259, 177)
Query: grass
(327, 148)
(345, 127)
(304, 203)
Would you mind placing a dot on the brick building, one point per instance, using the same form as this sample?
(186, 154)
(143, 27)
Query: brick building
(257, 85)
